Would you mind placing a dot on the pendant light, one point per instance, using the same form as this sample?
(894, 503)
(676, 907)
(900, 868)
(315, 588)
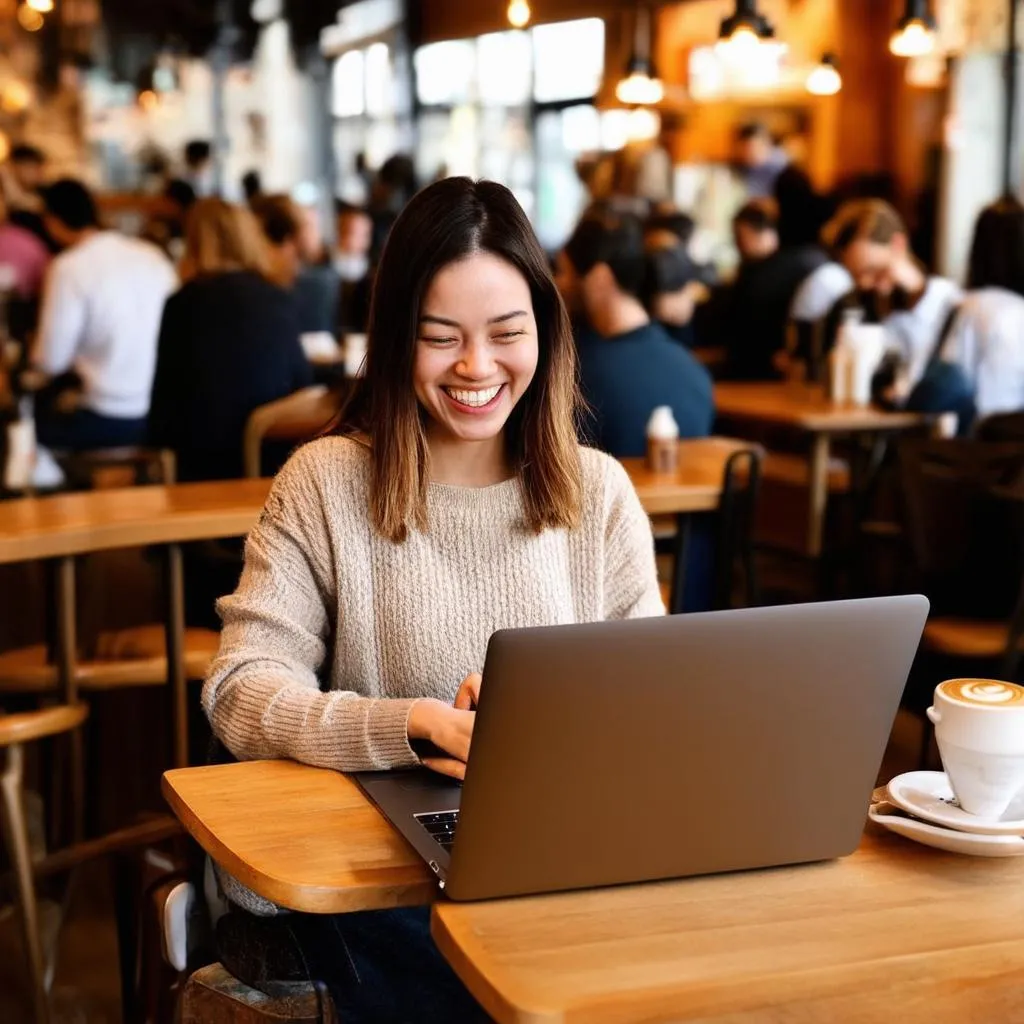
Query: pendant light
(743, 31)
(42, 6)
(825, 79)
(518, 13)
(641, 86)
(915, 31)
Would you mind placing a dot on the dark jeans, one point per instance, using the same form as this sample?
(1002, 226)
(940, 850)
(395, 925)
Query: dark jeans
(381, 966)
(85, 430)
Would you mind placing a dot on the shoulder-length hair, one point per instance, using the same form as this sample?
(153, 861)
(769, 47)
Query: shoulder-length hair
(447, 222)
(997, 252)
(220, 238)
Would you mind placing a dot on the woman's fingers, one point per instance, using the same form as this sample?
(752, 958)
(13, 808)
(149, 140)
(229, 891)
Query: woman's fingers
(446, 766)
(469, 692)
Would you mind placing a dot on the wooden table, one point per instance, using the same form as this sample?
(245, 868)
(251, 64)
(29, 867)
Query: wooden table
(805, 408)
(64, 526)
(894, 932)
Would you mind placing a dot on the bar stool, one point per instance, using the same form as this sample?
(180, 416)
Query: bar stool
(15, 732)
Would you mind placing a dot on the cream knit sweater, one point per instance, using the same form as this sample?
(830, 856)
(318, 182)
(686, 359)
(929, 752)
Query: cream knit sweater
(322, 597)
(334, 632)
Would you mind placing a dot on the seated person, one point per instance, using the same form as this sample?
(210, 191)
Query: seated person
(352, 264)
(753, 312)
(987, 338)
(628, 364)
(453, 501)
(101, 308)
(298, 261)
(674, 293)
(229, 343)
(870, 239)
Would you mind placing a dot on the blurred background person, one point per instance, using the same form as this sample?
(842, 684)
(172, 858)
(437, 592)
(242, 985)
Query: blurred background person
(102, 304)
(229, 342)
(198, 169)
(753, 312)
(628, 364)
(166, 227)
(871, 241)
(298, 261)
(252, 186)
(353, 266)
(759, 161)
(987, 338)
(25, 256)
(21, 179)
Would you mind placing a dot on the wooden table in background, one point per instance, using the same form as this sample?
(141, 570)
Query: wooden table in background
(894, 932)
(804, 408)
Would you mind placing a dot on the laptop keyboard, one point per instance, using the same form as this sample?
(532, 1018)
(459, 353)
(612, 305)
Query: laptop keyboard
(441, 825)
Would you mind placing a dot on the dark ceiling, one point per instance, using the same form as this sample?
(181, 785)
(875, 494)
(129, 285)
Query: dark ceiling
(193, 25)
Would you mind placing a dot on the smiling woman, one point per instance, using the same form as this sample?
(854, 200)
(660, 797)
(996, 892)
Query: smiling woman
(455, 501)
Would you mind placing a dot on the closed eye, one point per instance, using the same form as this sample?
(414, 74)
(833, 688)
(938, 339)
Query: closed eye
(438, 341)
(509, 335)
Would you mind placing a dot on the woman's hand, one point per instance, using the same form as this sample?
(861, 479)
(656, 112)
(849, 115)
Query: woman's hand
(449, 729)
(469, 692)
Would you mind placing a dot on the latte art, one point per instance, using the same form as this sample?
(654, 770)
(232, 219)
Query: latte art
(983, 692)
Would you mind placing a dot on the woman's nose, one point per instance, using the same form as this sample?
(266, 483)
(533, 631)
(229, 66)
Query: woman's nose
(477, 361)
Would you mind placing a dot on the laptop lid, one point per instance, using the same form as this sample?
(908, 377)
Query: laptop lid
(659, 748)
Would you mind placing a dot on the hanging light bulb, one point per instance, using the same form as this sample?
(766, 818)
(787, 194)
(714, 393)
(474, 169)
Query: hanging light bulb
(641, 86)
(29, 18)
(742, 33)
(825, 79)
(42, 6)
(518, 13)
(915, 31)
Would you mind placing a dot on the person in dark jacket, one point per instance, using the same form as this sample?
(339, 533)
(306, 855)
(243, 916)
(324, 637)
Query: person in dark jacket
(628, 363)
(229, 343)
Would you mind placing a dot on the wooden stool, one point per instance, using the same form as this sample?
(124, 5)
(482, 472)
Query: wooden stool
(212, 996)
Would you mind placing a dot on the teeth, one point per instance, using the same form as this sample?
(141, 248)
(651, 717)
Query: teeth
(474, 399)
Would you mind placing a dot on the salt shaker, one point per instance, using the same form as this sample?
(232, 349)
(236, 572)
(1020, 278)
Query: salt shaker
(662, 441)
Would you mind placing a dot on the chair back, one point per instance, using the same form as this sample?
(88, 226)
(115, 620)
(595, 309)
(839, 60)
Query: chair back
(297, 417)
(1007, 426)
(963, 505)
(737, 517)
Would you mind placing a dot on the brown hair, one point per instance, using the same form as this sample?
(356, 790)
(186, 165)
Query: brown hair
(446, 222)
(220, 238)
(869, 219)
(279, 217)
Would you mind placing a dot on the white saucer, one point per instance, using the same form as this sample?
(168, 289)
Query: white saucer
(893, 818)
(928, 795)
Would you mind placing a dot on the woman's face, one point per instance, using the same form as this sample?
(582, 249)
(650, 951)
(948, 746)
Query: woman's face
(476, 349)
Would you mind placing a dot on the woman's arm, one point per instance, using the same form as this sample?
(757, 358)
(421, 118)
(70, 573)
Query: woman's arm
(263, 696)
(630, 575)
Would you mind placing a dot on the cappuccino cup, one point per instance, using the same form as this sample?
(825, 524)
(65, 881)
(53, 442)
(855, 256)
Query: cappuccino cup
(979, 727)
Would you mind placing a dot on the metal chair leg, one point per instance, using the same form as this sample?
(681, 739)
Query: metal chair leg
(16, 836)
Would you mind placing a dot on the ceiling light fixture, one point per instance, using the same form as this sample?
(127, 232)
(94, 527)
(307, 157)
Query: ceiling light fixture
(518, 13)
(825, 79)
(743, 31)
(641, 86)
(915, 31)
(42, 6)
(30, 19)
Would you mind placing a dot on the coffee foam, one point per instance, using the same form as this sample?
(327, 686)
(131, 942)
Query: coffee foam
(989, 693)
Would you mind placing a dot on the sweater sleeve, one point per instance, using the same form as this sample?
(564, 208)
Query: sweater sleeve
(262, 695)
(630, 574)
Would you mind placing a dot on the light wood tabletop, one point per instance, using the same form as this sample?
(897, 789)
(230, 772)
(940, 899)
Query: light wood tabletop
(697, 484)
(303, 837)
(895, 932)
(75, 524)
(805, 407)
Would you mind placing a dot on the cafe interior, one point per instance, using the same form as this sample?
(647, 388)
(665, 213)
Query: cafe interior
(760, 259)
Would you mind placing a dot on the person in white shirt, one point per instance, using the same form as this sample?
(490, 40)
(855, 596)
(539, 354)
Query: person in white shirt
(819, 292)
(102, 304)
(870, 239)
(987, 340)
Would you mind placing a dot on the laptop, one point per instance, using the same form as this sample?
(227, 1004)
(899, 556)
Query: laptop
(629, 751)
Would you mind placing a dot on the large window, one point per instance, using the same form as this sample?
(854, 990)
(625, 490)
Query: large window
(517, 107)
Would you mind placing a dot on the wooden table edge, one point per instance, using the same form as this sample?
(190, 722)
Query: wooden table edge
(473, 974)
(312, 899)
